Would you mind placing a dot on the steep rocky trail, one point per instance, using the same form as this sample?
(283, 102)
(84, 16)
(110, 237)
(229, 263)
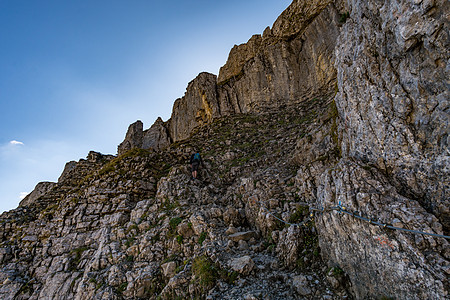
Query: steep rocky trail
(138, 226)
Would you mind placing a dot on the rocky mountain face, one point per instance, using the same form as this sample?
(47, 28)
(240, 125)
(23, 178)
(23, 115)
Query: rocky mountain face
(292, 62)
(339, 104)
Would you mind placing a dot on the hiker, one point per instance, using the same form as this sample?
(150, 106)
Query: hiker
(196, 160)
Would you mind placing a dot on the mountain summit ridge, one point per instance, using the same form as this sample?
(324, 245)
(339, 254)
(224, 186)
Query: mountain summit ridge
(266, 72)
(340, 105)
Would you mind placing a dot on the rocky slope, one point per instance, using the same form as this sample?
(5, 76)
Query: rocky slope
(339, 103)
(137, 226)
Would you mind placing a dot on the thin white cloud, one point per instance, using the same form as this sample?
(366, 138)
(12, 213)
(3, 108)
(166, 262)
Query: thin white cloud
(22, 195)
(14, 142)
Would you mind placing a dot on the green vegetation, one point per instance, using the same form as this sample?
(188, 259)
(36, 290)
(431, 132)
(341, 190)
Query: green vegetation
(205, 271)
(75, 201)
(161, 168)
(202, 238)
(72, 284)
(316, 252)
(336, 271)
(173, 257)
(168, 206)
(50, 210)
(180, 268)
(269, 244)
(228, 276)
(173, 223)
(310, 239)
(343, 17)
(300, 264)
(333, 115)
(26, 289)
(154, 289)
(308, 118)
(109, 167)
(298, 215)
(278, 224)
(156, 238)
(368, 167)
(86, 179)
(129, 241)
(114, 164)
(124, 165)
(133, 227)
(122, 288)
(97, 284)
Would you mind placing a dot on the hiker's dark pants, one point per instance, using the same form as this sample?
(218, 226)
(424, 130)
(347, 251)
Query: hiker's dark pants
(195, 166)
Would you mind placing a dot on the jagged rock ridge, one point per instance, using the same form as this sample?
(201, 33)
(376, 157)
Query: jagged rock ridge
(340, 102)
(282, 67)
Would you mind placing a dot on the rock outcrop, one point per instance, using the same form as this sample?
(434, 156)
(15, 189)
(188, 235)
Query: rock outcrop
(198, 106)
(340, 105)
(157, 137)
(137, 226)
(133, 139)
(286, 64)
(41, 189)
(371, 256)
(279, 68)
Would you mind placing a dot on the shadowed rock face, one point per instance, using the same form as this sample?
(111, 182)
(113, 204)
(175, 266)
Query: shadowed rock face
(372, 256)
(133, 139)
(340, 102)
(156, 137)
(392, 64)
(393, 79)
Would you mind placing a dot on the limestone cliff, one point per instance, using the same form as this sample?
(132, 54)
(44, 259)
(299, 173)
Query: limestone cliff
(393, 99)
(340, 105)
(157, 137)
(198, 106)
(279, 68)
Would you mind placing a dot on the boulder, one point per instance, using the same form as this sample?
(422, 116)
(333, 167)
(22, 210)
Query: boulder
(169, 269)
(243, 265)
(301, 285)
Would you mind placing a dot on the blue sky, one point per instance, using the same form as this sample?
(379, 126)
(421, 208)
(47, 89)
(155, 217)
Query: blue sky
(75, 74)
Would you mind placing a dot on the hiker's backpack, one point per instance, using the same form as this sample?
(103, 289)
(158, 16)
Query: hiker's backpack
(197, 157)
